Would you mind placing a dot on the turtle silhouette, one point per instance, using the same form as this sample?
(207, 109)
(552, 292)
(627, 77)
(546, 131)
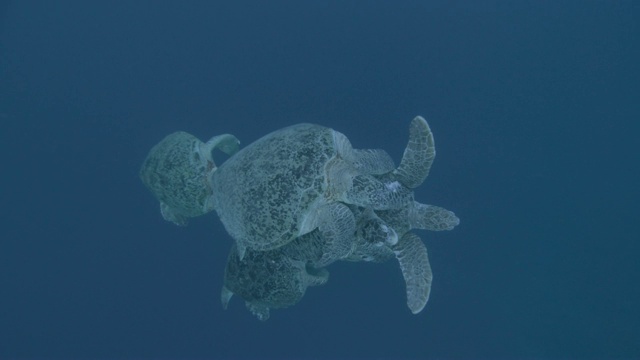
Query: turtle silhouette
(298, 179)
(177, 171)
(278, 278)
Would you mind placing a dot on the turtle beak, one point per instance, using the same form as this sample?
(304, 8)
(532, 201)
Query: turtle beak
(392, 236)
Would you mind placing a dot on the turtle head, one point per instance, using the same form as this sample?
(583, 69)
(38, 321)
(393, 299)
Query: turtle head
(378, 233)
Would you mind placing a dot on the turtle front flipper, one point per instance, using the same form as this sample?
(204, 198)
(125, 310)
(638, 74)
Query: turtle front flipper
(418, 155)
(431, 217)
(414, 263)
(369, 191)
(225, 297)
(315, 277)
(226, 143)
(337, 227)
(370, 161)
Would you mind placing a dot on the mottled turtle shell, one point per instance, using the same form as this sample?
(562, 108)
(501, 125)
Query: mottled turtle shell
(282, 173)
(178, 170)
(271, 191)
(176, 173)
(268, 280)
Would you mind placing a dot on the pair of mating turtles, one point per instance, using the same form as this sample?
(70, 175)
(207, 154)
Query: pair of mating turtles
(298, 199)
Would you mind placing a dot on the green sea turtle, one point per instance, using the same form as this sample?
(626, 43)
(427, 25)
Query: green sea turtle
(276, 278)
(279, 278)
(378, 236)
(298, 179)
(269, 279)
(177, 171)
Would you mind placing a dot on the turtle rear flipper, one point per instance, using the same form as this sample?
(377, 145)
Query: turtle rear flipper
(371, 161)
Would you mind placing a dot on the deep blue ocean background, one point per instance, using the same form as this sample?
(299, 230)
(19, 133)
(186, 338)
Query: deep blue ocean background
(535, 108)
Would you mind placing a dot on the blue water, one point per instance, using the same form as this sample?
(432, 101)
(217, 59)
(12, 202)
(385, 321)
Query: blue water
(534, 106)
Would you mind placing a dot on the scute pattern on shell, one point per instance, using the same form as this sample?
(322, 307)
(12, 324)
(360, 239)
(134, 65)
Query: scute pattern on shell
(298, 200)
(257, 283)
(283, 172)
(269, 279)
(180, 185)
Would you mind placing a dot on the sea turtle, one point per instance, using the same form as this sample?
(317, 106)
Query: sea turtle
(178, 170)
(279, 278)
(297, 179)
(378, 236)
(269, 279)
